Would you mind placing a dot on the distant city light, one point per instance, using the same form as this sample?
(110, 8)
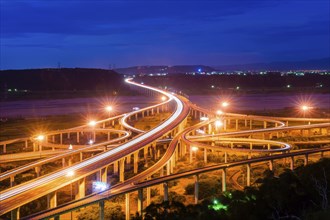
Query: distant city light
(219, 112)
(90, 142)
(70, 147)
(194, 148)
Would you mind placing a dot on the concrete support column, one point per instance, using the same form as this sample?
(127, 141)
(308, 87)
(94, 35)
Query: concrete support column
(205, 155)
(271, 165)
(245, 123)
(15, 214)
(140, 201)
(52, 200)
(226, 157)
(127, 207)
(63, 162)
(306, 159)
(224, 173)
(209, 129)
(128, 161)
(101, 210)
(115, 167)
(68, 135)
(70, 161)
(265, 124)
(224, 124)
(37, 170)
(136, 160)
(168, 167)
(250, 124)
(148, 195)
(236, 125)
(77, 137)
(145, 155)
(80, 189)
(248, 174)
(291, 163)
(121, 170)
(12, 181)
(109, 136)
(104, 175)
(61, 138)
(81, 156)
(190, 154)
(165, 191)
(196, 188)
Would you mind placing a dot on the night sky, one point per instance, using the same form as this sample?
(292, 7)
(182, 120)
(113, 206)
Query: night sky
(39, 34)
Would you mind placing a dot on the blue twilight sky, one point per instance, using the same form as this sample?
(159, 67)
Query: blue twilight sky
(99, 33)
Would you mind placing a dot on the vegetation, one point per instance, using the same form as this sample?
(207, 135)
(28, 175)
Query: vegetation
(299, 194)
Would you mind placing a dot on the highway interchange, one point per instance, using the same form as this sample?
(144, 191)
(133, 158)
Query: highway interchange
(122, 143)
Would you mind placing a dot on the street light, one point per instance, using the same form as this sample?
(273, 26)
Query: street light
(225, 104)
(218, 123)
(219, 112)
(40, 137)
(108, 108)
(70, 147)
(92, 123)
(305, 108)
(163, 98)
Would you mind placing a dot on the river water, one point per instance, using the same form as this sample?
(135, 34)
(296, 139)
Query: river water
(37, 108)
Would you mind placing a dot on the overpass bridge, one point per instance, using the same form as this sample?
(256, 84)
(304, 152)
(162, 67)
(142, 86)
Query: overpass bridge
(131, 146)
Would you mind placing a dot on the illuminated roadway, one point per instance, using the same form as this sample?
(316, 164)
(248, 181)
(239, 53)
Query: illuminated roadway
(42, 186)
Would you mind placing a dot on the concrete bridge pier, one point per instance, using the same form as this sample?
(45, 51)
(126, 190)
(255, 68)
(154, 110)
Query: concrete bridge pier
(121, 170)
(15, 214)
(165, 191)
(271, 165)
(52, 200)
(224, 173)
(196, 188)
(80, 188)
(101, 210)
(140, 201)
(12, 181)
(127, 207)
(136, 161)
(291, 163)
(248, 174)
(205, 155)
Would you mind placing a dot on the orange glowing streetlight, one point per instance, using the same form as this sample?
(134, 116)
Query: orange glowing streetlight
(163, 98)
(40, 137)
(225, 104)
(304, 109)
(219, 112)
(218, 123)
(194, 149)
(108, 108)
(92, 123)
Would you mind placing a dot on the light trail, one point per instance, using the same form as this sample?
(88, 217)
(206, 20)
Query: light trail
(51, 177)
